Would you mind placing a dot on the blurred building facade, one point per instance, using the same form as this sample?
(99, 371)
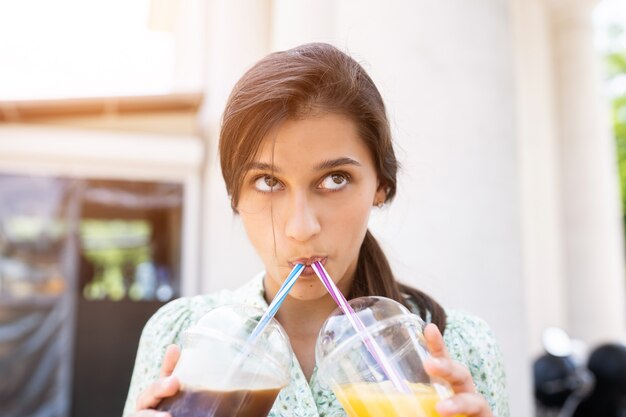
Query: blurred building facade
(508, 202)
(98, 225)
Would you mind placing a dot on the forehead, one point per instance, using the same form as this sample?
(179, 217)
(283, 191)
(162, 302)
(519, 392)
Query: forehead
(305, 141)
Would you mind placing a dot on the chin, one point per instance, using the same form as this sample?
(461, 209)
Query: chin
(308, 291)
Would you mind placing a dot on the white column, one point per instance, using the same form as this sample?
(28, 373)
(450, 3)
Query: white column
(238, 36)
(544, 277)
(592, 226)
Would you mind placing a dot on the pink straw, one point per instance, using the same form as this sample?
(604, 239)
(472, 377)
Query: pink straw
(371, 345)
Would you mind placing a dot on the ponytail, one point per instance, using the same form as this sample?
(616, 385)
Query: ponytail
(374, 277)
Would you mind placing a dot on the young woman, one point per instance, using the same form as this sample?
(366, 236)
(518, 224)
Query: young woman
(306, 154)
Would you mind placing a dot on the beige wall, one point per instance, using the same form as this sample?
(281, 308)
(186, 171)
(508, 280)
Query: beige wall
(165, 123)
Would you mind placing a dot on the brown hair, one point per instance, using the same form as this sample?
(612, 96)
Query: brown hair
(312, 79)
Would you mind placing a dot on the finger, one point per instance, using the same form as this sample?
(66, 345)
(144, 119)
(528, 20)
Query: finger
(470, 405)
(152, 396)
(440, 365)
(172, 353)
(454, 373)
(434, 341)
(151, 413)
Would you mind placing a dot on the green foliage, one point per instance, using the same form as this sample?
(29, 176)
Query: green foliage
(619, 127)
(616, 64)
(615, 59)
(111, 246)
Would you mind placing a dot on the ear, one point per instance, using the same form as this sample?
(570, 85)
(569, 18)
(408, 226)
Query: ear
(380, 197)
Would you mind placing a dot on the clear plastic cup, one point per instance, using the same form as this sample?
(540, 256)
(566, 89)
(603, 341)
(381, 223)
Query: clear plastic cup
(222, 374)
(363, 388)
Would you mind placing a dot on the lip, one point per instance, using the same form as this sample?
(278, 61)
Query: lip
(308, 261)
(308, 270)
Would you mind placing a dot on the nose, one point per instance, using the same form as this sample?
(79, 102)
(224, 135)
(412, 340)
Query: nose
(302, 222)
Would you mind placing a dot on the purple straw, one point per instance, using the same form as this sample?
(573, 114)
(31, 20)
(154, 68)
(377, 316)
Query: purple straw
(371, 345)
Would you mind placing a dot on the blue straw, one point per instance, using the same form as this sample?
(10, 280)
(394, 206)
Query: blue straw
(276, 302)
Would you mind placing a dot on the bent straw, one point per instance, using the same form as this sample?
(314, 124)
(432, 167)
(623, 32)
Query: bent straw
(371, 345)
(265, 319)
(276, 302)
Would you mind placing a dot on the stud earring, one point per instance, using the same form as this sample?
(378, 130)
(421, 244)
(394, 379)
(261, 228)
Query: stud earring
(380, 204)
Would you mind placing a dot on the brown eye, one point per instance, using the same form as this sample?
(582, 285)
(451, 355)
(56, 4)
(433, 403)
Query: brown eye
(334, 181)
(267, 184)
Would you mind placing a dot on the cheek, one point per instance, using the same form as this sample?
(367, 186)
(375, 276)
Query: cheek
(350, 219)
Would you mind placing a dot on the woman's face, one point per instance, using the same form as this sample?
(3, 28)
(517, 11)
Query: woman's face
(307, 196)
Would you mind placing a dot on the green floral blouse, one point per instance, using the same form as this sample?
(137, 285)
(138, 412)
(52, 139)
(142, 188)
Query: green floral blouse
(469, 341)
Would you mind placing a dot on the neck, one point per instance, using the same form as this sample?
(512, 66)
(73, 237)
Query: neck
(304, 318)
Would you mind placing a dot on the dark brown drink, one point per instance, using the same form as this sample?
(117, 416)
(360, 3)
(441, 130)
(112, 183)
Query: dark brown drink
(205, 403)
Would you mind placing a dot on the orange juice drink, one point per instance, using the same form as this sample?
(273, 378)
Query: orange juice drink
(375, 400)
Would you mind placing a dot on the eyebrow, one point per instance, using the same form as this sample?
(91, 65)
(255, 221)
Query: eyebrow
(334, 163)
(324, 165)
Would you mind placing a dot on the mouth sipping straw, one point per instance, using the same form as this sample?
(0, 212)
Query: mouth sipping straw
(276, 302)
(371, 345)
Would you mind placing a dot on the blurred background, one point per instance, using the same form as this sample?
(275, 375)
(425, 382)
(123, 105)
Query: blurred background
(509, 120)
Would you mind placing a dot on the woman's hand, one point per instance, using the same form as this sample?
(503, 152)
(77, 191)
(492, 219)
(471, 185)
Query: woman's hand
(466, 400)
(166, 386)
